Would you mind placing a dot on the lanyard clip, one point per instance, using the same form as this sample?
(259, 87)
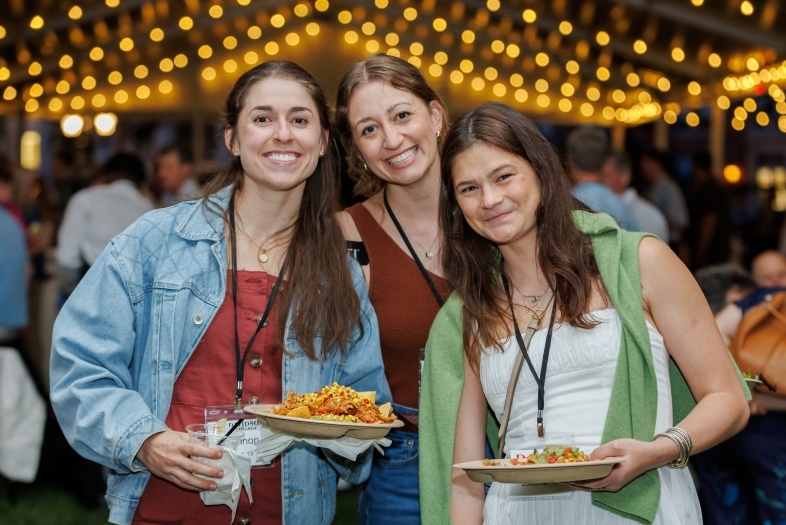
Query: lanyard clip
(541, 429)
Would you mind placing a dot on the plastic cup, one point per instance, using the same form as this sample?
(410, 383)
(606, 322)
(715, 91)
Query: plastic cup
(208, 434)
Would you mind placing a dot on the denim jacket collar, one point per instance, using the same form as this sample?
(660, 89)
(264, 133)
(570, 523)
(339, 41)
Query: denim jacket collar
(202, 222)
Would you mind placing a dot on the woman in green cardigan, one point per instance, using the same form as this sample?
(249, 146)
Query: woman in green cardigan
(624, 344)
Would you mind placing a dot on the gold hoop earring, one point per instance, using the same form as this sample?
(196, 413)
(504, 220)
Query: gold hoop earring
(439, 135)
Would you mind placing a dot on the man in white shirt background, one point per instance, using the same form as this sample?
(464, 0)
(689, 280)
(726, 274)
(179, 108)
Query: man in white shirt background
(616, 174)
(96, 214)
(175, 175)
(665, 194)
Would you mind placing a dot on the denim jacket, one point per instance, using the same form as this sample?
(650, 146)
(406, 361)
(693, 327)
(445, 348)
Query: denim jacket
(125, 334)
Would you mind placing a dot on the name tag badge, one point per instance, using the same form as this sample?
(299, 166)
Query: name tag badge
(254, 432)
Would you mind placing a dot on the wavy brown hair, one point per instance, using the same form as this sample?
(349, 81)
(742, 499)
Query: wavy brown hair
(319, 291)
(473, 264)
(398, 73)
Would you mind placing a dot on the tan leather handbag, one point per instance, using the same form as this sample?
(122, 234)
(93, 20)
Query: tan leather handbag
(759, 344)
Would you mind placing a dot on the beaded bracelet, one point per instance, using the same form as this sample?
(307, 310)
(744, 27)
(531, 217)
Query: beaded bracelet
(684, 444)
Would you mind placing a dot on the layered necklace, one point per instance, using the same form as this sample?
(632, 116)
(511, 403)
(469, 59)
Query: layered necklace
(262, 256)
(531, 298)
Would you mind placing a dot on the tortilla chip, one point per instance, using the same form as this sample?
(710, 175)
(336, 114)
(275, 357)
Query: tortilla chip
(386, 410)
(370, 395)
(301, 412)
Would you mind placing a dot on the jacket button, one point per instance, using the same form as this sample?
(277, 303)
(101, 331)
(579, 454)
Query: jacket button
(253, 401)
(244, 521)
(256, 361)
(198, 319)
(259, 320)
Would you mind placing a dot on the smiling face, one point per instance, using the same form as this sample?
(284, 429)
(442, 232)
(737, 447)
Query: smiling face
(395, 132)
(498, 193)
(278, 134)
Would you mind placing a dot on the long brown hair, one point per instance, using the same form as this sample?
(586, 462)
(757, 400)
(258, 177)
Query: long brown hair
(398, 73)
(473, 264)
(319, 291)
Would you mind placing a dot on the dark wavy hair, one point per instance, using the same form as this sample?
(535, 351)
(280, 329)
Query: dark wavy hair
(473, 263)
(398, 73)
(319, 291)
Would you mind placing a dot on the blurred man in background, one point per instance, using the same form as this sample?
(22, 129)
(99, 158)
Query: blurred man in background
(586, 149)
(617, 176)
(96, 214)
(665, 194)
(175, 175)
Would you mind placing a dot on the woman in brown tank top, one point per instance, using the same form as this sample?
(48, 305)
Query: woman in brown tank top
(390, 121)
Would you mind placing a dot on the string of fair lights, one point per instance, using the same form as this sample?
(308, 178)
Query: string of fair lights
(538, 63)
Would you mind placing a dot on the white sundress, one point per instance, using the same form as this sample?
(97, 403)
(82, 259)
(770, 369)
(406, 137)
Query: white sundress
(580, 376)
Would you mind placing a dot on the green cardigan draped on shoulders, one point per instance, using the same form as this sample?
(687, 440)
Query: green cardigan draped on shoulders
(634, 396)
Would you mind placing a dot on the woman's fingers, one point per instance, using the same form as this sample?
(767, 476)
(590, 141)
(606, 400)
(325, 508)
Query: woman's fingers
(168, 455)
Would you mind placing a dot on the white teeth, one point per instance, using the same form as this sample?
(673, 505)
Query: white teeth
(281, 157)
(403, 157)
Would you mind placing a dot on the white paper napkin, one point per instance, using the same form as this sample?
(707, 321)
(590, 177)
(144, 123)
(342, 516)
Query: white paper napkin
(237, 474)
(345, 446)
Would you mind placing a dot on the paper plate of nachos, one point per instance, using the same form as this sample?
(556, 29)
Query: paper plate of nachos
(332, 412)
(555, 464)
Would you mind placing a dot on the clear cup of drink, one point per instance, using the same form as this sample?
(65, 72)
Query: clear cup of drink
(214, 435)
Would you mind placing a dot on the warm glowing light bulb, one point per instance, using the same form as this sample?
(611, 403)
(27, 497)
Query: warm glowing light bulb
(618, 96)
(140, 71)
(410, 14)
(529, 16)
(251, 58)
(491, 73)
(541, 85)
(441, 58)
(37, 22)
(478, 84)
(513, 50)
(640, 47)
(75, 13)
(121, 97)
(499, 89)
(185, 24)
(752, 64)
(63, 87)
(593, 94)
(542, 59)
(493, 5)
(565, 27)
(9, 93)
(440, 24)
(105, 123)
(565, 105)
(31, 105)
(498, 46)
(321, 5)
(677, 54)
(157, 34)
(98, 101)
(165, 87)
(351, 37)
(72, 125)
(208, 73)
(35, 69)
(633, 79)
(277, 21)
(694, 88)
(126, 44)
(345, 17)
(466, 66)
(292, 39)
(166, 65)
(587, 109)
(664, 84)
(368, 28)
(312, 28)
(271, 48)
(416, 48)
(602, 38)
(36, 90)
(746, 8)
(468, 36)
(714, 60)
(230, 66)
(66, 61)
(180, 60)
(572, 67)
(254, 32)
(115, 77)
(435, 70)
(142, 92)
(567, 89)
(205, 51)
(457, 77)
(230, 42)
(603, 74)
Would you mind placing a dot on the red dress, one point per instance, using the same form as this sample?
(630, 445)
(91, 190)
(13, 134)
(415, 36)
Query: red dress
(209, 379)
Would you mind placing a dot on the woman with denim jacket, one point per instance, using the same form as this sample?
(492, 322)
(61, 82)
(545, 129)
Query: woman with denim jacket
(390, 121)
(152, 334)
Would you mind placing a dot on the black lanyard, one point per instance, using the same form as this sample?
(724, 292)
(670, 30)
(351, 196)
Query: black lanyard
(240, 361)
(422, 268)
(540, 380)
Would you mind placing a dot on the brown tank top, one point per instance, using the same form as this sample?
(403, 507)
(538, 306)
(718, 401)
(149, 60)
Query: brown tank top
(404, 304)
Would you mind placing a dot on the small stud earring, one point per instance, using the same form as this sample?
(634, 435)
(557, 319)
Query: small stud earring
(439, 135)
(321, 152)
(365, 167)
(236, 153)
